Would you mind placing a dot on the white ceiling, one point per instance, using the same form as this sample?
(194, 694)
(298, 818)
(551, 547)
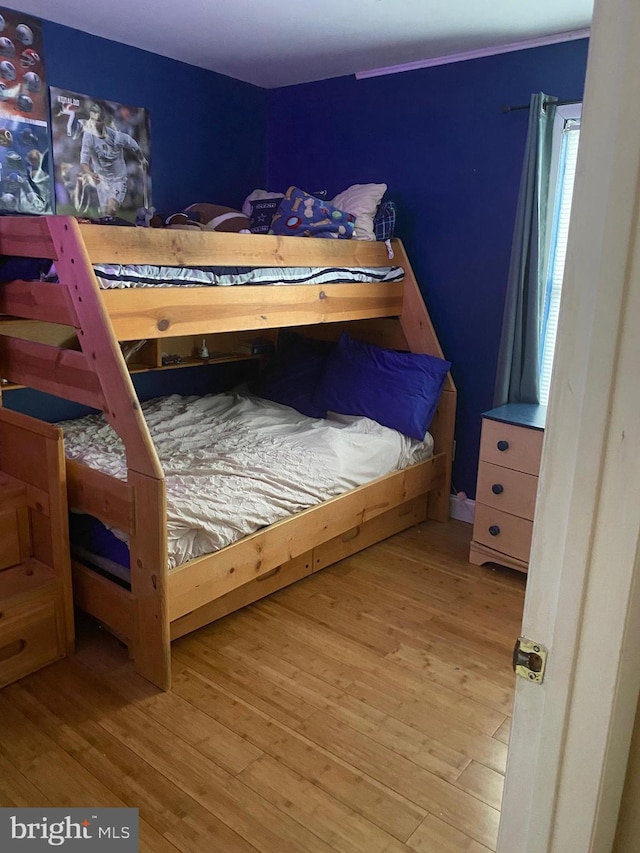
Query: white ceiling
(275, 43)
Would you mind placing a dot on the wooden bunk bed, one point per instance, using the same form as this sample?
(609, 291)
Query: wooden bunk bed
(63, 338)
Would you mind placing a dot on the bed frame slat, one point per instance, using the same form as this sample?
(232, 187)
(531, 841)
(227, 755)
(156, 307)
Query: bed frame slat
(100, 495)
(54, 370)
(38, 300)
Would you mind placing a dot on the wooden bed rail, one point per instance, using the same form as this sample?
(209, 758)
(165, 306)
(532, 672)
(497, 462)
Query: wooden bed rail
(171, 312)
(174, 247)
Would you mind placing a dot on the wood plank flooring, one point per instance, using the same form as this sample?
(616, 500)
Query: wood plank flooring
(365, 709)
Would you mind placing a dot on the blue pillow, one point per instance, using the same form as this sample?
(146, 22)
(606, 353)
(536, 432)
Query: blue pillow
(397, 389)
(303, 215)
(296, 369)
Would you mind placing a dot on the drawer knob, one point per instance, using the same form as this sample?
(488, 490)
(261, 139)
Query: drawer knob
(494, 530)
(503, 445)
(497, 488)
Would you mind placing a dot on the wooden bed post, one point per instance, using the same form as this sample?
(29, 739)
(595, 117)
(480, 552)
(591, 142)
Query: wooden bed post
(421, 337)
(150, 643)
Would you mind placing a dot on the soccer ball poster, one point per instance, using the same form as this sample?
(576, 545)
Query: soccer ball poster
(101, 152)
(25, 163)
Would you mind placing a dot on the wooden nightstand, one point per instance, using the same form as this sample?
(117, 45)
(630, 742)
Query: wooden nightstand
(36, 605)
(510, 451)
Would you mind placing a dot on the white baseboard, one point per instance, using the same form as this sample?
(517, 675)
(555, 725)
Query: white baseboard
(462, 508)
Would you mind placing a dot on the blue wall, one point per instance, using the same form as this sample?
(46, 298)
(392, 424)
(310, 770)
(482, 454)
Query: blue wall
(208, 143)
(452, 159)
(207, 130)
(438, 137)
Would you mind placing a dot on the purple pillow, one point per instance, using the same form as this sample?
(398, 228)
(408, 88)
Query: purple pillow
(295, 372)
(399, 390)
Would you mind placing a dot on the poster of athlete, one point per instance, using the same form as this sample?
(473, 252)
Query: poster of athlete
(26, 184)
(100, 156)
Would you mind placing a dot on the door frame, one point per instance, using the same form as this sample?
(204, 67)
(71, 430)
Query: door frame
(570, 735)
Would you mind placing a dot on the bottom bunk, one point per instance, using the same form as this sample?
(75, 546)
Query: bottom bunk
(256, 496)
(294, 485)
(235, 463)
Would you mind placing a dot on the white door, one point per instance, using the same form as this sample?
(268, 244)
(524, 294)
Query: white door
(571, 734)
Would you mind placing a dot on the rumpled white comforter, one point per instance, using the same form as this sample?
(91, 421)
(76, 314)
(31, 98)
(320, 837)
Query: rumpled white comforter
(235, 463)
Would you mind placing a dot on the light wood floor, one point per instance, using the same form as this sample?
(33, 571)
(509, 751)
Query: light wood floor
(365, 709)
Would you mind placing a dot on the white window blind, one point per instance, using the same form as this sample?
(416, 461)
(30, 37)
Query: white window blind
(558, 250)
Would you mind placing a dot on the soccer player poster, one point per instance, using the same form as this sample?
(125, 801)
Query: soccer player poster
(100, 155)
(26, 184)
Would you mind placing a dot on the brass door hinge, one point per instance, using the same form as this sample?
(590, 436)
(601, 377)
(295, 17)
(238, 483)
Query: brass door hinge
(529, 659)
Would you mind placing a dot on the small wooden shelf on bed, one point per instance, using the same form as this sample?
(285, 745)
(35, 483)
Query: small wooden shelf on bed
(184, 350)
(161, 605)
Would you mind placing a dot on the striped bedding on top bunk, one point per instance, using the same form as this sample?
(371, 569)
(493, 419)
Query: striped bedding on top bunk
(127, 276)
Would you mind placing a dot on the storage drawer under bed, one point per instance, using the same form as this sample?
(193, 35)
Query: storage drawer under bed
(30, 637)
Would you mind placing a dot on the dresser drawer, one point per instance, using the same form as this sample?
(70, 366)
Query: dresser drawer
(503, 532)
(510, 491)
(516, 447)
(29, 639)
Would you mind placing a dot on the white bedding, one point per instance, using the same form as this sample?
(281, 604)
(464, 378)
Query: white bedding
(126, 276)
(235, 463)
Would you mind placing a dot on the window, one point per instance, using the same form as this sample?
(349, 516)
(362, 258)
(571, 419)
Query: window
(565, 153)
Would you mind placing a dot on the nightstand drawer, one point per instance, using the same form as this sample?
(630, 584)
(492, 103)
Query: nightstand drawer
(503, 532)
(511, 446)
(511, 491)
(29, 639)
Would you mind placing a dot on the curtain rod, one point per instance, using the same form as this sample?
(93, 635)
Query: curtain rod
(508, 109)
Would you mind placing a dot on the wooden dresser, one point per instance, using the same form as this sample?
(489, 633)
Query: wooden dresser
(510, 451)
(36, 606)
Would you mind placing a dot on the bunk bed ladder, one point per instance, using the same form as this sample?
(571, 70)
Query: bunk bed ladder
(94, 376)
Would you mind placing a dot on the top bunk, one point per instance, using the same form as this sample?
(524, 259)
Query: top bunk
(64, 337)
(151, 312)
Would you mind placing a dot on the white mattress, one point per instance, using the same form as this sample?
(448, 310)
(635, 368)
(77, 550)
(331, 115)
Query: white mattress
(126, 276)
(235, 463)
